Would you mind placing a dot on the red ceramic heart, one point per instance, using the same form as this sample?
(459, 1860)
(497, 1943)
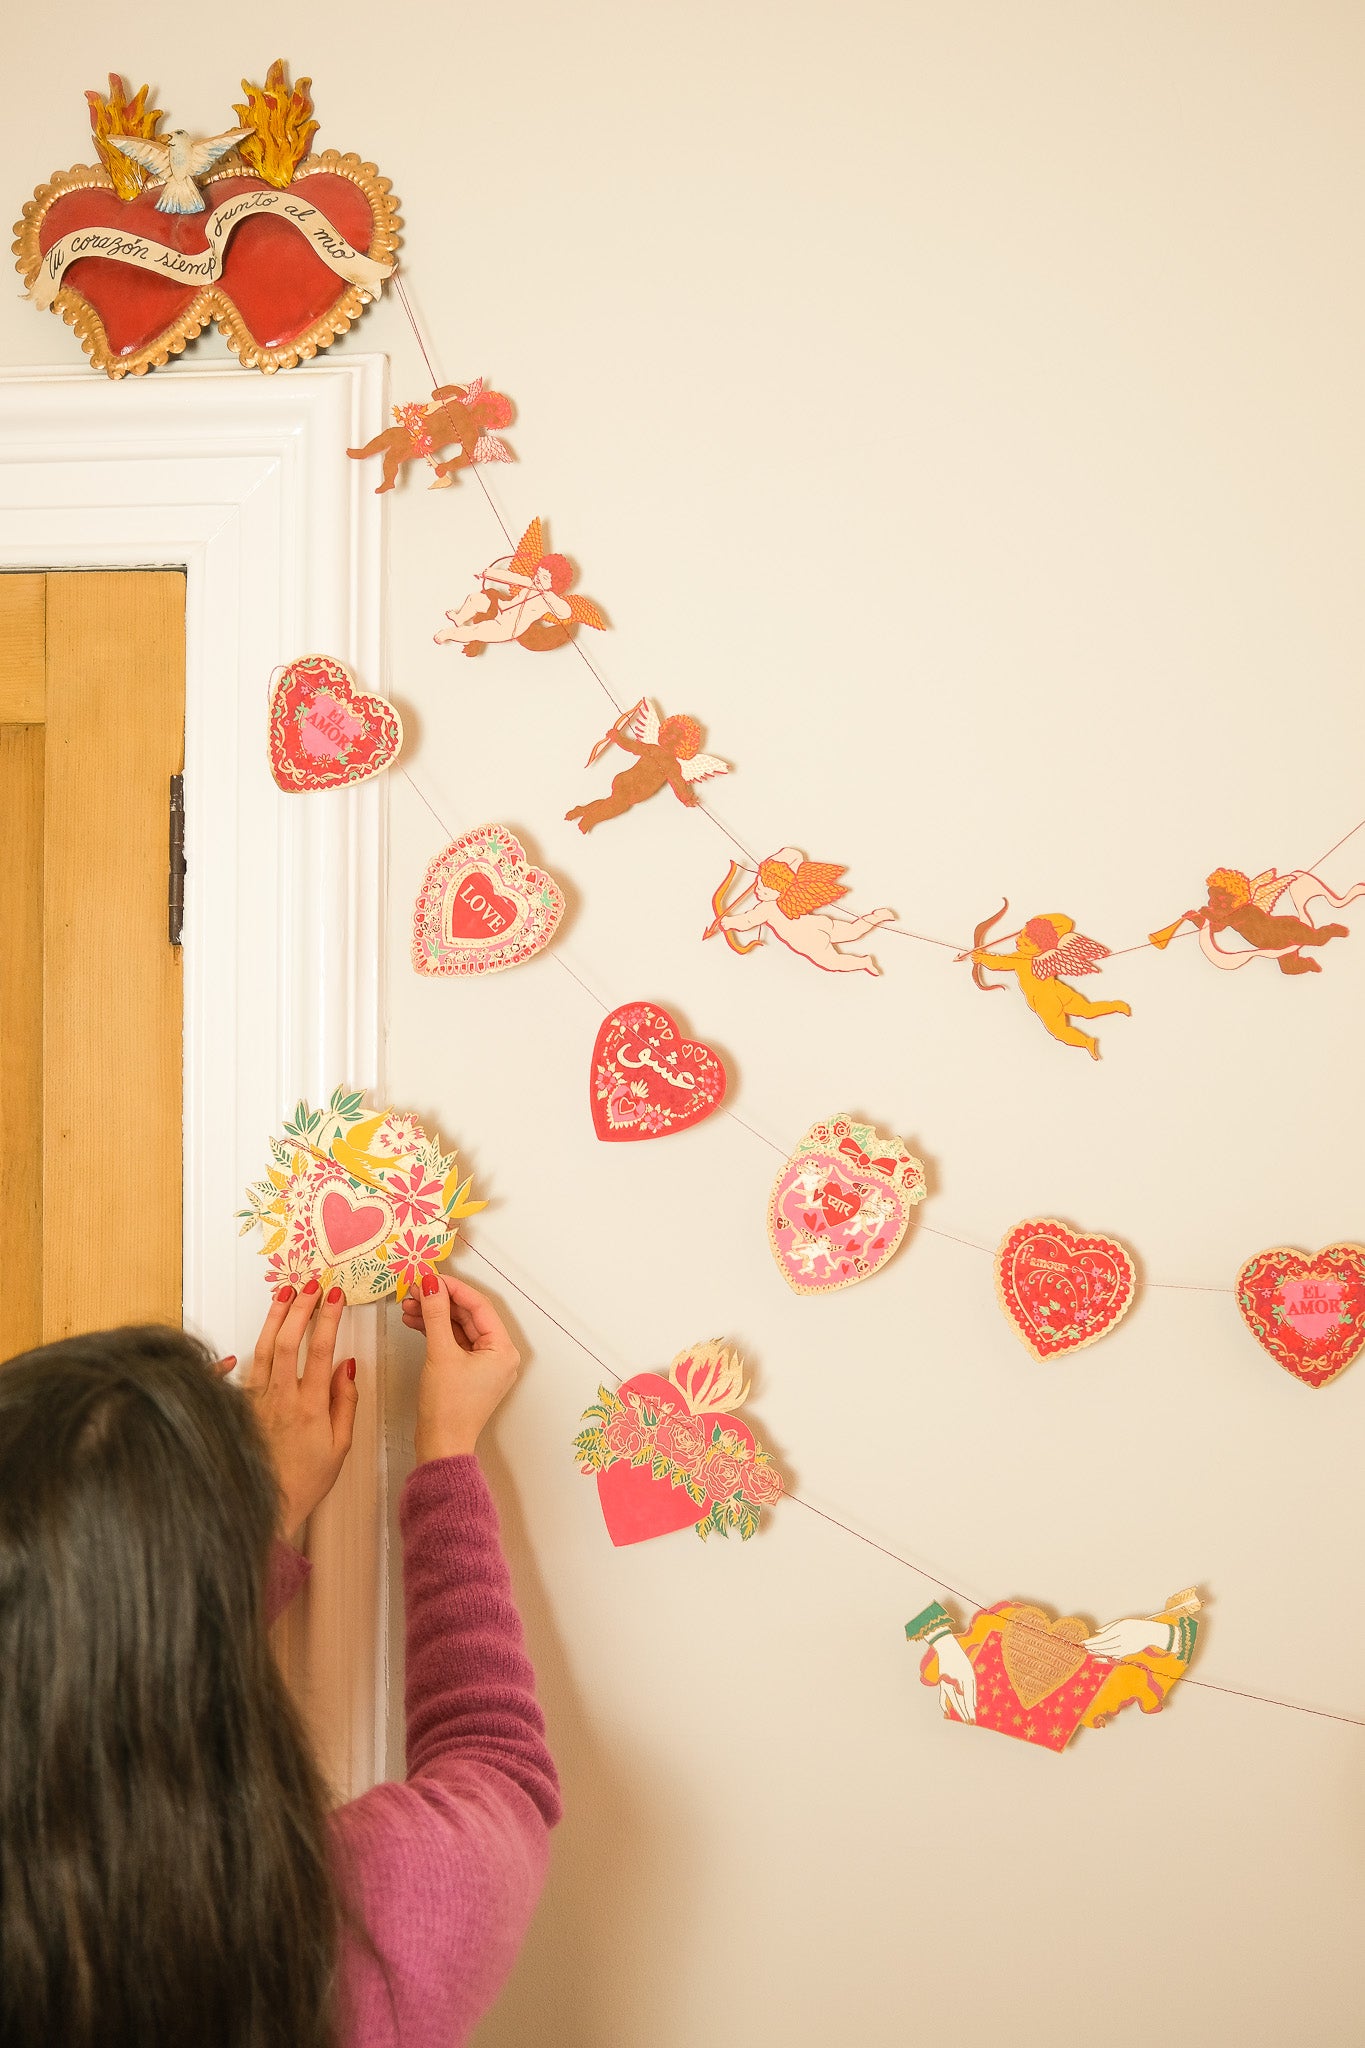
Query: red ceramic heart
(324, 732)
(648, 1080)
(275, 299)
(1307, 1312)
(1062, 1291)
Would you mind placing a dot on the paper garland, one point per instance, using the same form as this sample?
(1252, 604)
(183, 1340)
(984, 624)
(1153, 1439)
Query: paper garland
(1307, 1311)
(1046, 948)
(787, 899)
(524, 597)
(669, 1453)
(648, 1080)
(841, 1205)
(364, 1199)
(1016, 1670)
(1059, 1290)
(461, 416)
(1245, 905)
(323, 731)
(483, 907)
(667, 755)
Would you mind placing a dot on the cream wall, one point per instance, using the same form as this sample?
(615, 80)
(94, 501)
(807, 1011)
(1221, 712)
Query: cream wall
(960, 410)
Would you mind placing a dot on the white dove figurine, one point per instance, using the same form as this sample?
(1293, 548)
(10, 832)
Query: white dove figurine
(177, 162)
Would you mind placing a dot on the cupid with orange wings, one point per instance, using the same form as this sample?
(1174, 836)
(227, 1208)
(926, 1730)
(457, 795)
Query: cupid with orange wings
(667, 750)
(522, 597)
(1238, 903)
(1047, 948)
(789, 894)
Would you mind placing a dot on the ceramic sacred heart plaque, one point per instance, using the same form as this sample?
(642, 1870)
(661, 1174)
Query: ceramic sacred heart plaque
(1309, 1313)
(1040, 1654)
(1059, 1290)
(282, 249)
(841, 1205)
(323, 731)
(648, 1080)
(482, 907)
(669, 1454)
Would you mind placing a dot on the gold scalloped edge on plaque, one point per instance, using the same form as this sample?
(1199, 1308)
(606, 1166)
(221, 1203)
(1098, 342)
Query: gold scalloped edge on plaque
(211, 303)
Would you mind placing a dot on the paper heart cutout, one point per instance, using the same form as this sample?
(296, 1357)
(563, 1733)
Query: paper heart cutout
(841, 1206)
(648, 1080)
(347, 1223)
(1040, 1654)
(1308, 1312)
(1062, 1291)
(482, 907)
(275, 299)
(838, 1204)
(325, 732)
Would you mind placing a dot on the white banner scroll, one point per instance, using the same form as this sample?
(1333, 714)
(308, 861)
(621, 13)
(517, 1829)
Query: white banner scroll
(204, 266)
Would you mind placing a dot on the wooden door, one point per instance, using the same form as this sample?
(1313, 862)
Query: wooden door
(92, 717)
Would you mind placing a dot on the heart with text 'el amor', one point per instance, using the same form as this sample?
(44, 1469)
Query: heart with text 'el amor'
(483, 907)
(648, 1079)
(324, 732)
(1307, 1311)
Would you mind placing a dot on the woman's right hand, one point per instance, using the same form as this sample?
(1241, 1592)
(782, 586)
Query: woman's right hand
(471, 1365)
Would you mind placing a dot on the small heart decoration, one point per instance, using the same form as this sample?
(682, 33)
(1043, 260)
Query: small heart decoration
(1306, 1310)
(347, 1223)
(324, 731)
(482, 906)
(1062, 1291)
(838, 1204)
(841, 1205)
(1040, 1654)
(648, 1079)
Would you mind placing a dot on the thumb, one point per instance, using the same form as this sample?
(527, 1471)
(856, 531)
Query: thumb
(345, 1399)
(436, 1321)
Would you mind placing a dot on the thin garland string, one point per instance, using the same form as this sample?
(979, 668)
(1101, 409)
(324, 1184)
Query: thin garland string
(751, 859)
(910, 1564)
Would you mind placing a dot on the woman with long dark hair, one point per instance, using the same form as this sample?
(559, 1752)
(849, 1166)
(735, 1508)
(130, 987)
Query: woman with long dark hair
(170, 1876)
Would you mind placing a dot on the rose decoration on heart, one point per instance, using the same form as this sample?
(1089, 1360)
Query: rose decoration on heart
(483, 907)
(669, 1453)
(1062, 1291)
(648, 1080)
(324, 731)
(284, 250)
(365, 1198)
(841, 1205)
(1306, 1310)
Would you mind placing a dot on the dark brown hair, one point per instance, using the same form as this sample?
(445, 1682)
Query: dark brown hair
(164, 1876)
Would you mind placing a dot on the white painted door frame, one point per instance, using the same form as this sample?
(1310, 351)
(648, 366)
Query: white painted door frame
(243, 481)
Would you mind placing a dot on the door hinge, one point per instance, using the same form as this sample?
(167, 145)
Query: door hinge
(175, 880)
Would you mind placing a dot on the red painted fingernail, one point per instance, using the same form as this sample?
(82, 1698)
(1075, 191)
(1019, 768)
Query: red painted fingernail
(430, 1284)
(311, 1285)
(285, 1294)
(334, 1294)
(350, 1368)
(228, 1363)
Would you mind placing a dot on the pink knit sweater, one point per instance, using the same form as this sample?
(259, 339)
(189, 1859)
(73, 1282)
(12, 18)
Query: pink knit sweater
(445, 1869)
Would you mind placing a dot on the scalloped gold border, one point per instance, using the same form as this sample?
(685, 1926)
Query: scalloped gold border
(212, 303)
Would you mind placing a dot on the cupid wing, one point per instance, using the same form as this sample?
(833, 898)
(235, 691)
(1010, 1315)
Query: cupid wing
(1268, 888)
(1076, 955)
(815, 885)
(702, 765)
(643, 723)
(471, 391)
(488, 448)
(585, 613)
(206, 153)
(530, 548)
(153, 156)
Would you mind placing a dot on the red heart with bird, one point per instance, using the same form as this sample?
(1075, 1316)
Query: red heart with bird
(283, 251)
(324, 732)
(1308, 1312)
(648, 1080)
(1062, 1291)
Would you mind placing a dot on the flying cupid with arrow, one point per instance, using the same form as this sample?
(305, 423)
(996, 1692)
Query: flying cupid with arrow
(667, 751)
(1045, 949)
(790, 896)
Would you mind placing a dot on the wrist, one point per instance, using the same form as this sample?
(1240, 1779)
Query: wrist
(430, 1444)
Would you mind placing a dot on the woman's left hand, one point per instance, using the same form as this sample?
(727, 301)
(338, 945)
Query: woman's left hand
(307, 1418)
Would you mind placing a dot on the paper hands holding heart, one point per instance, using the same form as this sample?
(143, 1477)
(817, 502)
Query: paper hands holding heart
(1019, 1672)
(364, 1197)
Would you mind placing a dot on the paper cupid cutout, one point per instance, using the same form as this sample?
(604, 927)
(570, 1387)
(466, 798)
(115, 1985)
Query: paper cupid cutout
(1060, 1291)
(482, 907)
(282, 249)
(323, 731)
(1239, 904)
(461, 416)
(647, 1079)
(841, 1205)
(788, 897)
(522, 597)
(1307, 1312)
(667, 752)
(669, 1454)
(363, 1198)
(1019, 1672)
(1046, 949)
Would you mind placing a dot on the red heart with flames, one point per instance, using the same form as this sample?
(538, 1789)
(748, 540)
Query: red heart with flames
(283, 251)
(648, 1080)
(324, 732)
(1307, 1312)
(1060, 1290)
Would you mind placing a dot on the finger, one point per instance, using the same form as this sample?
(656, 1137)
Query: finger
(322, 1345)
(344, 1399)
(223, 1366)
(481, 1319)
(270, 1330)
(435, 1305)
(285, 1362)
